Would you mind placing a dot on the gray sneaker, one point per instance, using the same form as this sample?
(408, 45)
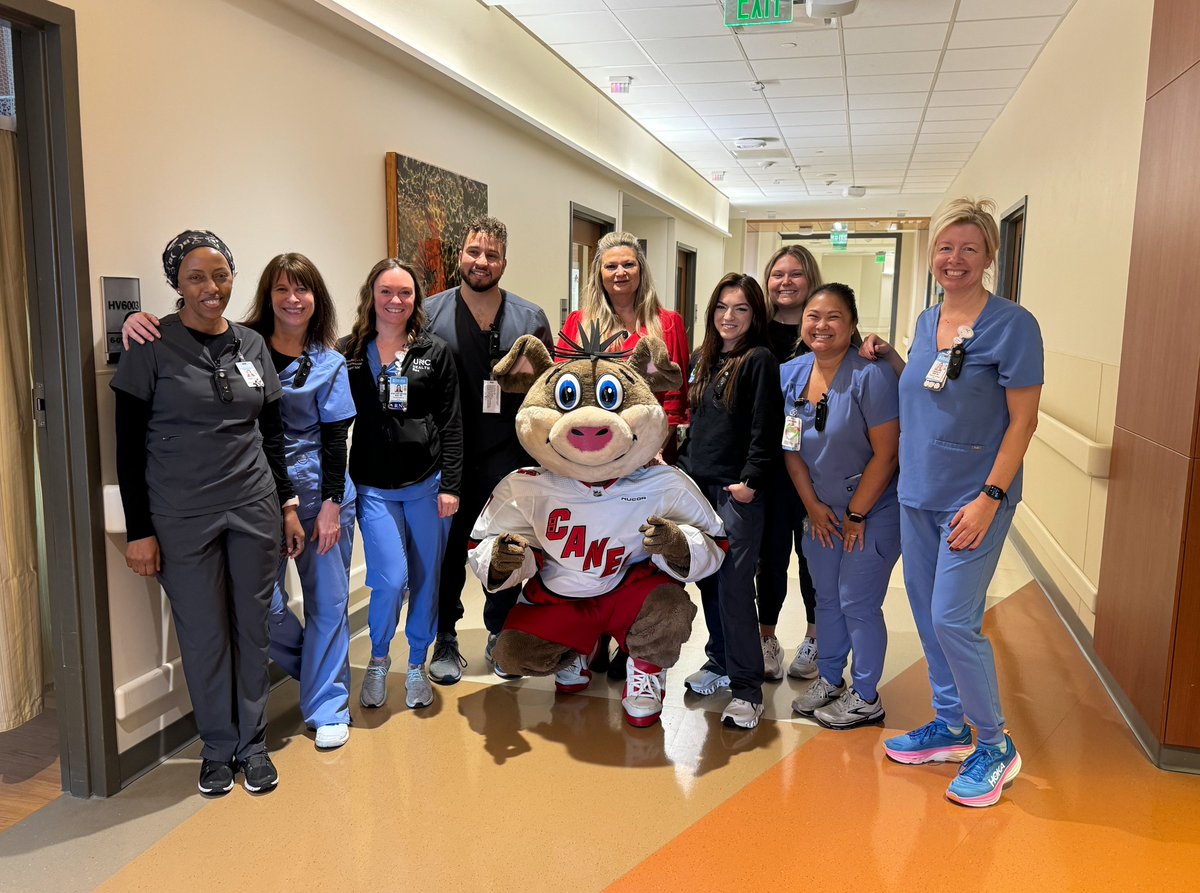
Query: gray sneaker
(447, 664)
(741, 714)
(818, 694)
(705, 682)
(804, 664)
(496, 668)
(417, 690)
(374, 685)
(849, 711)
(772, 658)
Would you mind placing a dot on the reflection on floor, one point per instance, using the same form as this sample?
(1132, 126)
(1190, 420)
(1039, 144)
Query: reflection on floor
(507, 786)
(29, 769)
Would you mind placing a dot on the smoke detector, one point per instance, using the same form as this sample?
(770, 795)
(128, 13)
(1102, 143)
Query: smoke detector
(854, 191)
(828, 9)
(749, 142)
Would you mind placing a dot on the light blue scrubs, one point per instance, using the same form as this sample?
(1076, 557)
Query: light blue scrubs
(318, 653)
(403, 541)
(850, 585)
(948, 444)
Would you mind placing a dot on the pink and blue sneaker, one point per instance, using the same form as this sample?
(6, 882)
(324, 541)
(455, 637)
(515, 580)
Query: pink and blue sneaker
(985, 774)
(932, 743)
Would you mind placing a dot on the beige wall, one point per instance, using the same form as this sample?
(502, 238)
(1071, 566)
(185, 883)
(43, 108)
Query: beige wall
(270, 128)
(1070, 140)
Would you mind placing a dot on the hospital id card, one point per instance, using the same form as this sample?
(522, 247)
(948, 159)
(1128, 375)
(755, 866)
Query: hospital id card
(397, 390)
(491, 396)
(935, 378)
(250, 374)
(792, 429)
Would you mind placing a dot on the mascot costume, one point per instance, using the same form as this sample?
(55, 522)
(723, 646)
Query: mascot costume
(601, 541)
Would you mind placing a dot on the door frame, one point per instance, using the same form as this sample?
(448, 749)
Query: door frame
(45, 60)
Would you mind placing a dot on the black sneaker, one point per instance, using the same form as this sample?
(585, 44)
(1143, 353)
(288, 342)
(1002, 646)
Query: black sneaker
(258, 773)
(616, 666)
(216, 777)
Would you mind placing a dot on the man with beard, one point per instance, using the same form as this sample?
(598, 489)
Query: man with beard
(479, 321)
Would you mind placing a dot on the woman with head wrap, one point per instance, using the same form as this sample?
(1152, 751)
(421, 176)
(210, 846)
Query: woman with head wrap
(200, 462)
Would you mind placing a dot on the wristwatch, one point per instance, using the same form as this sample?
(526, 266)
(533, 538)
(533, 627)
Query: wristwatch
(855, 517)
(993, 492)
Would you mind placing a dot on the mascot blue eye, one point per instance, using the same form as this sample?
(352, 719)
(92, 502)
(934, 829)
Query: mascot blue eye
(566, 392)
(609, 394)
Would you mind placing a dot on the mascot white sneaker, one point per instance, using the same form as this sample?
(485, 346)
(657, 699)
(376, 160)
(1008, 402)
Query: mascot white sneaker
(601, 542)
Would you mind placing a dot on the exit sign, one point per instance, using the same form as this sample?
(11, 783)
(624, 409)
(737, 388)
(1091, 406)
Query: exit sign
(758, 12)
(839, 240)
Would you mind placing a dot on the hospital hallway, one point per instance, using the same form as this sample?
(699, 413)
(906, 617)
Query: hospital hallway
(508, 786)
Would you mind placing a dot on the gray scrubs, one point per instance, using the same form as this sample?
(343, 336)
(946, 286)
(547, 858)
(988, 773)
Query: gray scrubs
(216, 516)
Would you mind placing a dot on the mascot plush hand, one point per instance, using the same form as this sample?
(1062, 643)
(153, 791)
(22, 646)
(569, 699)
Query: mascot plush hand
(601, 542)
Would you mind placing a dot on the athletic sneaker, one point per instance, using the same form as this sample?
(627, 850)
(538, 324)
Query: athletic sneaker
(932, 743)
(258, 773)
(374, 684)
(772, 658)
(333, 735)
(642, 695)
(804, 664)
(574, 677)
(985, 774)
(818, 694)
(216, 777)
(618, 665)
(705, 682)
(849, 711)
(417, 690)
(741, 714)
(496, 668)
(448, 663)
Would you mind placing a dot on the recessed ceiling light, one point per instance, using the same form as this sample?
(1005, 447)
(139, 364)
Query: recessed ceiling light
(749, 142)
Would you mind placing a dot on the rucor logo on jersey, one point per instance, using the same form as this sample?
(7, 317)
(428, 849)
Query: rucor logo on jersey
(595, 553)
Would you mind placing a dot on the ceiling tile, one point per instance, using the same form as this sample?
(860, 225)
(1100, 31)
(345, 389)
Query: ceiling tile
(882, 116)
(781, 69)
(1002, 32)
(748, 105)
(951, 142)
(893, 158)
(953, 113)
(814, 131)
(645, 110)
(712, 92)
(788, 104)
(808, 119)
(888, 100)
(575, 27)
(990, 9)
(878, 129)
(643, 75)
(969, 97)
(722, 48)
(807, 87)
(892, 83)
(604, 53)
(537, 7)
(927, 154)
(645, 93)
(708, 72)
(981, 80)
(891, 63)
(895, 39)
(686, 21)
(989, 58)
(696, 137)
(966, 125)
(657, 125)
(828, 143)
(770, 134)
(892, 150)
(770, 44)
(643, 4)
(752, 122)
(891, 12)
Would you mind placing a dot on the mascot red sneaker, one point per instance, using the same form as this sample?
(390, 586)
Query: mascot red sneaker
(601, 542)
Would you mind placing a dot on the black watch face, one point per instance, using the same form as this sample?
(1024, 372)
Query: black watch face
(994, 492)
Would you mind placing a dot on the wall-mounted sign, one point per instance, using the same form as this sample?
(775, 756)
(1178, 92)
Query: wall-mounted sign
(758, 12)
(839, 239)
(122, 295)
(880, 257)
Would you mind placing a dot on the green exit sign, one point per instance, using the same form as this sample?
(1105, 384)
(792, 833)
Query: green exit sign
(758, 12)
(839, 240)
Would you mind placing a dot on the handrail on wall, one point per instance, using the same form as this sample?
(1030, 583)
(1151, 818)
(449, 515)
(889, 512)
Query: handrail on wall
(1089, 456)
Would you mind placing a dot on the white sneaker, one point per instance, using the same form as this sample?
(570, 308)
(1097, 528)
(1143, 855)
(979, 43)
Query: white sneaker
(804, 664)
(417, 690)
(772, 658)
(333, 735)
(705, 682)
(850, 711)
(575, 677)
(642, 697)
(742, 714)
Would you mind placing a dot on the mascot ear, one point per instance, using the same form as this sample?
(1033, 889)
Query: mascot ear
(520, 367)
(650, 358)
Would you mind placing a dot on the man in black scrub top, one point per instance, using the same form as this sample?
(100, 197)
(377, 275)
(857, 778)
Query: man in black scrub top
(480, 321)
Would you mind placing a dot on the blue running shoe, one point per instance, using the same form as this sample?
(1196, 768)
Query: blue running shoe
(932, 743)
(985, 774)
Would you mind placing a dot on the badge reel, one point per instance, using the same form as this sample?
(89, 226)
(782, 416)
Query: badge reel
(948, 363)
(394, 385)
(792, 429)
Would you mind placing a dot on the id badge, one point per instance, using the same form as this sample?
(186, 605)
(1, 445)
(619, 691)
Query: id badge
(935, 378)
(491, 396)
(792, 428)
(249, 374)
(398, 392)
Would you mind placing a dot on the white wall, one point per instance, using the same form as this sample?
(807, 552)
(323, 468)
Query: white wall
(1070, 139)
(271, 128)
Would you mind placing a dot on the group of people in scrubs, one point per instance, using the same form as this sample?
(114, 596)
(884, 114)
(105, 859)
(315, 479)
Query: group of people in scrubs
(232, 458)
